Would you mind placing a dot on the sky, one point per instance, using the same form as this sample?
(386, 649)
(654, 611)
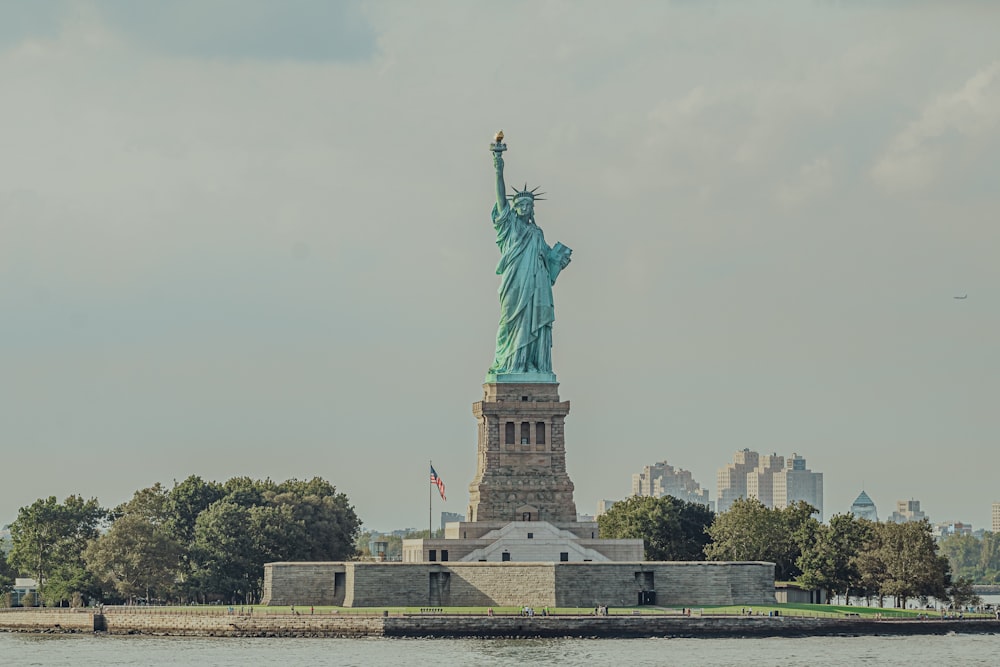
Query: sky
(253, 238)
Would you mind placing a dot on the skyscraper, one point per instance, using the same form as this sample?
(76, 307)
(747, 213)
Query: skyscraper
(760, 480)
(731, 481)
(907, 510)
(864, 508)
(662, 479)
(797, 483)
(775, 481)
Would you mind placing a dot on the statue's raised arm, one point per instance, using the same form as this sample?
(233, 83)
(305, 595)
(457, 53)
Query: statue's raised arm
(498, 147)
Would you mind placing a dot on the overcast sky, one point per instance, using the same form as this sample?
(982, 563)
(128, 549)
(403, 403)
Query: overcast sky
(253, 238)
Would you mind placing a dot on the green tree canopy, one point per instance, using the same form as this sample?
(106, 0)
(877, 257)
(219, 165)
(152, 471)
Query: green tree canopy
(830, 559)
(902, 561)
(48, 542)
(989, 559)
(186, 501)
(139, 555)
(961, 593)
(198, 539)
(257, 522)
(973, 558)
(6, 574)
(329, 524)
(671, 529)
(751, 531)
(223, 551)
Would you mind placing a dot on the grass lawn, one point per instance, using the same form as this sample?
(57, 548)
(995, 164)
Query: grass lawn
(829, 611)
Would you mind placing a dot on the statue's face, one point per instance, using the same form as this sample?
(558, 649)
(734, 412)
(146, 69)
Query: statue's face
(525, 207)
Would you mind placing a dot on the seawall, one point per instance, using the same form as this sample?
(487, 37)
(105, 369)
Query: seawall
(194, 623)
(48, 620)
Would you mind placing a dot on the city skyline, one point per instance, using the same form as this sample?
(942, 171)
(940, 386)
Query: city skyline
(254, 239)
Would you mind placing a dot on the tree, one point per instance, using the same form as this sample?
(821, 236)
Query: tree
(751, 531)
(224, 553)
(139, 555)
(671, 529)
(329, 523)
(989, 559)
(963, 553)
(902, 561)
(48, 541)
(152, 503)
(961, 594)
(830, 560)
(247, 492)
(259, 522)
(6, 575)
(186, 501)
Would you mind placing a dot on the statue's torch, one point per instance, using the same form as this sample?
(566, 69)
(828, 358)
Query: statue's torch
(498, 146)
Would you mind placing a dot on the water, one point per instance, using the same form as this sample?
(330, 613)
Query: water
(92, 650)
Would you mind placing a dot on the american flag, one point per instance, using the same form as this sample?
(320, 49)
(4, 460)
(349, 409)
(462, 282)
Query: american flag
(438, 482)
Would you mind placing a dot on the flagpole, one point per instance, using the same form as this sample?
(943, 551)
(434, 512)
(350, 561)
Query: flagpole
(430, 505)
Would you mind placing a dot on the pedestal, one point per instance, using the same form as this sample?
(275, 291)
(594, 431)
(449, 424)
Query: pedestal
(521, 463)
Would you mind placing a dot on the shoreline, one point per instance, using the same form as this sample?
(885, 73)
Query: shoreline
(453, 626)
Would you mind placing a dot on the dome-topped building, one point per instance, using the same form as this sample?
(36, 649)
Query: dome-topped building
(864, 508)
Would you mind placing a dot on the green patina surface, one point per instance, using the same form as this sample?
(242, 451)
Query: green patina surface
(528, 268)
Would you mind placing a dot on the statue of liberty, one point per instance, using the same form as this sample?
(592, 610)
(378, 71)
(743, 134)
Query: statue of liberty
(528, 268)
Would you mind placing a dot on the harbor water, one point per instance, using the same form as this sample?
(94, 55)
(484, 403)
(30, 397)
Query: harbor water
(104, 651)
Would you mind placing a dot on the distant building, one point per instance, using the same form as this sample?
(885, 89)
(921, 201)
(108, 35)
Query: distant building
(996, 517)
(947, 529)
(775, 481)
(448, 517)
(797, 483)
(23, 587)
(864, 508)
(378, 547)
(604, 505)
(790, 592)
(760, 480)
(662, 479)
(403, 532)
(907, 510)
(731, 481)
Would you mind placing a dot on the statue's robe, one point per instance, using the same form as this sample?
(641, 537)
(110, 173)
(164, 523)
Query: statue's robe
(528, 268)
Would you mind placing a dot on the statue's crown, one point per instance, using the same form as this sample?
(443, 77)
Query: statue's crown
(526, 193)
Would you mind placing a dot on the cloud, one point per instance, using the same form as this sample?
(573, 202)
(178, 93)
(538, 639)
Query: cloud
(813, 179)
(307, 30)
(25, 20)
(928, 148)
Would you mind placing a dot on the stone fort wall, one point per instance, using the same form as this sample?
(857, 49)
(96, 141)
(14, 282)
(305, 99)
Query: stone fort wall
(681, 584)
